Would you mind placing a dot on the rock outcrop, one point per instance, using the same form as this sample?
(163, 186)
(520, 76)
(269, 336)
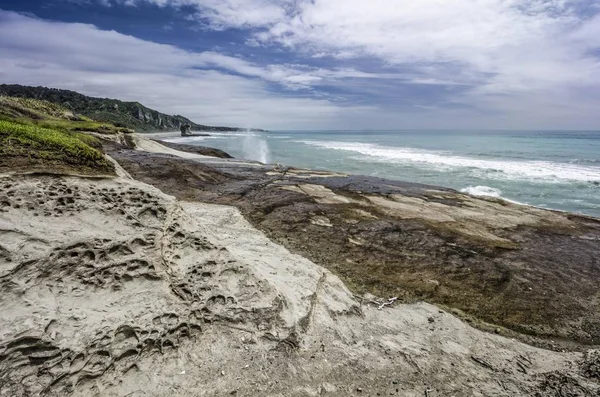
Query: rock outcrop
(112, 288)
(202, 150)
(522, 271)
(186, 130)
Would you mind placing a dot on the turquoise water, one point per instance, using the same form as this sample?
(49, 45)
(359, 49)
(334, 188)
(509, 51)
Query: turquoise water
(551, 169)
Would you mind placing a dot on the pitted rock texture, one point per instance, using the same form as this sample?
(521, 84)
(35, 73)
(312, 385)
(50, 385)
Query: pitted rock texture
(61, 278)
(112, 288)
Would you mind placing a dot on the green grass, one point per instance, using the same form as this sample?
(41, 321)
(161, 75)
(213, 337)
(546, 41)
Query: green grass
(50, 146)
(34, 109)
(41, 135)
(51, 115)
(90, 126)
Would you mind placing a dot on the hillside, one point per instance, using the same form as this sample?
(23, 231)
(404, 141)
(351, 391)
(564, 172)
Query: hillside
(41, 136)
(132, 115)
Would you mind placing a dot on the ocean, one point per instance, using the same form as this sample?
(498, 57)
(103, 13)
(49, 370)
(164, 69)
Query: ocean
(550, 169)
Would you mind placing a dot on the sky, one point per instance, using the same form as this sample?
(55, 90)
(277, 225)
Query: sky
(319, 64)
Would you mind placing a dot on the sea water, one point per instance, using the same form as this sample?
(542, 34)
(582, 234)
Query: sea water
(552, 169)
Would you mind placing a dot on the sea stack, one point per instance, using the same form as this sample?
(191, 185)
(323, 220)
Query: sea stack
(186, 130)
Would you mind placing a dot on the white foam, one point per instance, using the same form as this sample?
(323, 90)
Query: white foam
(482, 191)
(486, 191)
(545, 171)
(185, 139)
(226, 134)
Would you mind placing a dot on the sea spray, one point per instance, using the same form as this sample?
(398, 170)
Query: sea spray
(482, 191)
(255, 148)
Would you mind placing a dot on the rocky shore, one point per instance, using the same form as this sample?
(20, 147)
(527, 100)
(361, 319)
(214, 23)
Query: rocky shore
(516, 270)
(186, 274)
(202, 150)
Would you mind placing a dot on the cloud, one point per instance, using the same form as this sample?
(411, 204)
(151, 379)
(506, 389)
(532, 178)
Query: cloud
(503, 48)
(486, 36)
(38, 40)
(382, 63)
(109, 64)
(221, 14)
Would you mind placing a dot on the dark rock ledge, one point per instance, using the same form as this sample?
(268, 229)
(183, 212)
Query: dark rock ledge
(514, 270)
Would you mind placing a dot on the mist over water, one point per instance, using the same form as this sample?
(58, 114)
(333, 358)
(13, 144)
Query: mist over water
(255, 148)
(551, 169)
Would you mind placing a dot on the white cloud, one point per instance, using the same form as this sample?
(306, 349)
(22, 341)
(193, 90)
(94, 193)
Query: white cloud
(486, 35)
(223, 14)
(518, 64)
(83, 58)
(77, 43)
(506, 48)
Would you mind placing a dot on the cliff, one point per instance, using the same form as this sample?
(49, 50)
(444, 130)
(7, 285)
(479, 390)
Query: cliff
(131, 115)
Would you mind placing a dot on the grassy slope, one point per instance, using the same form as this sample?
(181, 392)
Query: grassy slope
(50, 115)
(42, 136)
(28, 144)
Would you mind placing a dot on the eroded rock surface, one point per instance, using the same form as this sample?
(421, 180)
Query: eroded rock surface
(517, 270)
(111, 288)
(96, 276)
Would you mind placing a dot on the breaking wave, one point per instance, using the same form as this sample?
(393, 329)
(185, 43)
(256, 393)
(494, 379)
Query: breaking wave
(482, 191)
(545, 171)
